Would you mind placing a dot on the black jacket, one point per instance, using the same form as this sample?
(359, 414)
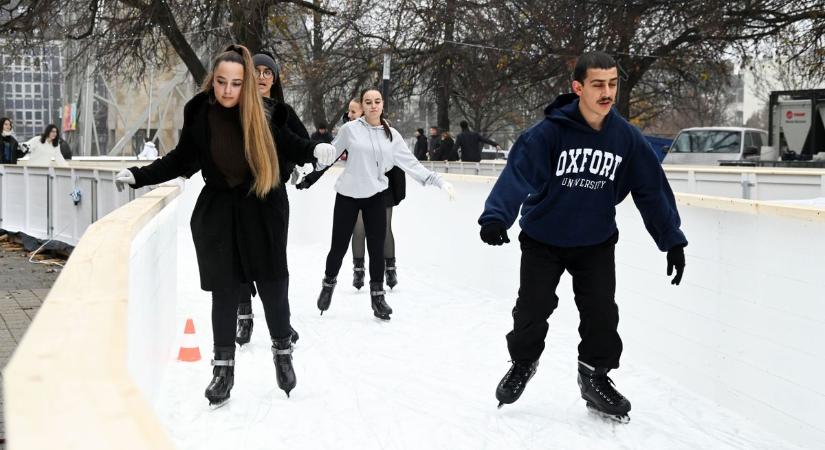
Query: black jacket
(238, 237)
(14, 149)
(446, 151)
(432, 148)
(420, 150)
(469, 144)
(397, 189)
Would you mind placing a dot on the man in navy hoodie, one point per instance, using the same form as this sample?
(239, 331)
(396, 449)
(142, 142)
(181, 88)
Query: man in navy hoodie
(567, 173)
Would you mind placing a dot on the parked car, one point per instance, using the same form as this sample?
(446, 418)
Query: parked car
(709, 145)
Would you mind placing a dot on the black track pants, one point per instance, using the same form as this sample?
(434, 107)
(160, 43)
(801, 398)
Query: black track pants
(593, 270)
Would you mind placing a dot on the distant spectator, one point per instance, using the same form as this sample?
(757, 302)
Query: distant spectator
(9, 147)
(321, 134)
(45, 148)
(65, 149)
(468, 143)
(434, 142)
(446, 151)
(149, 151)
(420, 150)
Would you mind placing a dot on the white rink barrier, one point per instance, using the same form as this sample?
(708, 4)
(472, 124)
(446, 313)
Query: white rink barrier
(734, 182)
(36, 200)
(80, 377)
(746, 324)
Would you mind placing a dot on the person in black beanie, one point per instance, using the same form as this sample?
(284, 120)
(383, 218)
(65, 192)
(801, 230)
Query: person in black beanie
(566, 174)
(268, 76)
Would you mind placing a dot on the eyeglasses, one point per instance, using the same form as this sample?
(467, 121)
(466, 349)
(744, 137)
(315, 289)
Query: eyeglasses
(265, 74)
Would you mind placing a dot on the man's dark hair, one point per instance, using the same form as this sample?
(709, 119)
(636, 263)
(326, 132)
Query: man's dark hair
(322, 125)
(592, 60)
(420, 131)
(434, 128)
(464, 125)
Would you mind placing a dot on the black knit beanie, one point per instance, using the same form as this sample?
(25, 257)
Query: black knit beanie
(265, 60)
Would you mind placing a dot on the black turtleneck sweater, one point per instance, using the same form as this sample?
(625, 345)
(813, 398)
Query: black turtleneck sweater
(226, 144)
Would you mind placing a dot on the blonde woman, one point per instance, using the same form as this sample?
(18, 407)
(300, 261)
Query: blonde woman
(239, 221)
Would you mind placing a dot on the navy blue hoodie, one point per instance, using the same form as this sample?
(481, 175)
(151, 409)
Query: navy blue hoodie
(568, 178)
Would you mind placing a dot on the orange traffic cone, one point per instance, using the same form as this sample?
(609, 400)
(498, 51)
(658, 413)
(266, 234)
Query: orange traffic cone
(189, 350)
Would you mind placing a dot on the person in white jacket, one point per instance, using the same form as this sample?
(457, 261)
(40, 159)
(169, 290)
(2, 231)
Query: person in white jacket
(44, 150)
(373, 148)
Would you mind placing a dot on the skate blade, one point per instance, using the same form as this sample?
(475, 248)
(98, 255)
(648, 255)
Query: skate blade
(384, 318)
(217, 405)
(618, 418)
(500, 404)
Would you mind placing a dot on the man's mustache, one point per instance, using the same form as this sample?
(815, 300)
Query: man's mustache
(610, 99)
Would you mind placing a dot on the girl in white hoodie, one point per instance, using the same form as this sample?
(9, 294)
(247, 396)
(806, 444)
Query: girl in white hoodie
(373, 148)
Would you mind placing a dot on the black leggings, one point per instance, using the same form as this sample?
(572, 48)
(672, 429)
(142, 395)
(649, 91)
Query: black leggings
(343, 221)
(273, 295)
(359, 237)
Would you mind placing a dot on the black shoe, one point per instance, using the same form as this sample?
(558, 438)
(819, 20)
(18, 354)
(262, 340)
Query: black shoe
(294, 334)
(512, 385)
(389, 268)
(223, 377)
(244, 330)
(358, 273)
(325, 298)
(379, 306)
(601, 395)
(282, 357)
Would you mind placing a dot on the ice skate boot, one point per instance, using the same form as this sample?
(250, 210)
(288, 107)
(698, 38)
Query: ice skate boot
(515, 380)
(282, 357)
(223, 377)
(389, 267)
(358, 273)
(294, 334)
(379, 306)
(244, 330)
(325, 298)
(601, 395)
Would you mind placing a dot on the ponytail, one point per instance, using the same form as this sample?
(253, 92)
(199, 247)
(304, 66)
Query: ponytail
(386, 125)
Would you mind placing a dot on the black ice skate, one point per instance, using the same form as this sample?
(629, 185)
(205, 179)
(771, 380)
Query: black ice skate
(282, 357)
(379, 306)
(223, 377)
(244, 330)
(358, 273)
(601, 395)
(325, 298)
(294, 334)
(515, 380)
(389, 267)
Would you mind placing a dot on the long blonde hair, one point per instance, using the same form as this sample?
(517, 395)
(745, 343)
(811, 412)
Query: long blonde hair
(258, 145)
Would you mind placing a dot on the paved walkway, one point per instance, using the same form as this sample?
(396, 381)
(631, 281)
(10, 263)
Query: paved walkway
(23, 287)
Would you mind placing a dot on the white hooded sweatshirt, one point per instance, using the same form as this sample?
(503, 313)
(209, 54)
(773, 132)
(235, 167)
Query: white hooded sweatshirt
(370, 155)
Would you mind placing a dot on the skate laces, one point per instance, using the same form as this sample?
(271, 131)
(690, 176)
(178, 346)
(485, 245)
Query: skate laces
(516, 376)
(605, 387)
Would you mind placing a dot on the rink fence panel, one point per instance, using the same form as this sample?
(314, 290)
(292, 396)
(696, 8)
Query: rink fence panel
(68, 384)
(744, 325)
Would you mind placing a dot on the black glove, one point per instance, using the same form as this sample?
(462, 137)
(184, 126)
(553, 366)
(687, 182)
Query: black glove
(494, 233)
(676, 258)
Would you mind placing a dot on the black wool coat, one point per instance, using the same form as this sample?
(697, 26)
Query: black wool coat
(239, 238)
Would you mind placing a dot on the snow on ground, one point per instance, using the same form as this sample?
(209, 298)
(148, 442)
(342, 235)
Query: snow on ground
(427, 378)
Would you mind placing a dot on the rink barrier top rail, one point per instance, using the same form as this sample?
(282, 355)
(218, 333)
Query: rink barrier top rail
(735, 182)
(67, 384)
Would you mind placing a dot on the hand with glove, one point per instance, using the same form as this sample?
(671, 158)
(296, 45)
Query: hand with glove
(123, 178)
(325, 154)
(676, 258)
(494, 233)
(448, 188)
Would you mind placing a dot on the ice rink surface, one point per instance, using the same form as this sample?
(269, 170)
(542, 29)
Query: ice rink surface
(427, 378)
